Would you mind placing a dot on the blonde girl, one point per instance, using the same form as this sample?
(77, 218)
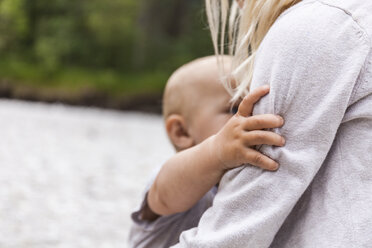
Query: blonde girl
(316, 57)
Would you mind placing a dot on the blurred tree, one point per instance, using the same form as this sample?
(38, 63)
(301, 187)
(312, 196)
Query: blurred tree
(171, 29)
(13, 24)
(119, 35)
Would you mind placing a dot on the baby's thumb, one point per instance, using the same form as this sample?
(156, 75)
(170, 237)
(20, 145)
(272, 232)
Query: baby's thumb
(246, 106)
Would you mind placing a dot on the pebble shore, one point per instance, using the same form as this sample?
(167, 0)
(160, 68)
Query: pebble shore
(70, 176)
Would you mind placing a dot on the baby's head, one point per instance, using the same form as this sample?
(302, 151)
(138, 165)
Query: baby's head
(195, 103)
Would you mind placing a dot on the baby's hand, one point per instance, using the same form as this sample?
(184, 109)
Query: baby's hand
(234, 143)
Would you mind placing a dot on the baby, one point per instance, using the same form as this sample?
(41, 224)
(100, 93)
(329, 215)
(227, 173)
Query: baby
(210, 136)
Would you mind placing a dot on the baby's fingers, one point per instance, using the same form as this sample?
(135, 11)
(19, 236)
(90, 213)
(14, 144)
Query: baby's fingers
(256, 158)
(247, 104)
(258, 122)
(254, 138)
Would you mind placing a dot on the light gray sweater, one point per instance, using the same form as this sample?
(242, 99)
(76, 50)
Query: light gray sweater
(317, 58)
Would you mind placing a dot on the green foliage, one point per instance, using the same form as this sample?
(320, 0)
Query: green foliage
(75, 79)
(99, 43)
(13, 23)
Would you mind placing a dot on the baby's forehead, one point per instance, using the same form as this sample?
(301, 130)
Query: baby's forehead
(193, 83)
(190, 82)
(206, 66)
(196, 71)
(204, 85)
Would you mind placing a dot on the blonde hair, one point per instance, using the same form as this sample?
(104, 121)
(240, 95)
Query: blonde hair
(247, 28)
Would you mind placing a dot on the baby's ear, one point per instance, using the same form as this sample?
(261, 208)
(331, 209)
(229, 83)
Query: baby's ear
(177, 132)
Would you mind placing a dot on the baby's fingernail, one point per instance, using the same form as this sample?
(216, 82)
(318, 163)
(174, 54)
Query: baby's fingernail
(281, 120)
(283, 141)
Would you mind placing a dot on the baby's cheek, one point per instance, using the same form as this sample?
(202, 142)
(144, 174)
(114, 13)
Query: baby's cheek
(211, 125)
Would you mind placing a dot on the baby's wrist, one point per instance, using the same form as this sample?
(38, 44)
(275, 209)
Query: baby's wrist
(213, 156)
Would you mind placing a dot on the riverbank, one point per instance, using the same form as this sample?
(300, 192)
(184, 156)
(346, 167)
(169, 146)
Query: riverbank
(149, 102)
(103, 88)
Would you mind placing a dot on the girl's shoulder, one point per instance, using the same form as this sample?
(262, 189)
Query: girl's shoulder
(314, 23)
(330, 17)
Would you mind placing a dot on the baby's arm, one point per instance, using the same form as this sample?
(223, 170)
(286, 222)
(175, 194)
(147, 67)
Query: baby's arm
(186, 177)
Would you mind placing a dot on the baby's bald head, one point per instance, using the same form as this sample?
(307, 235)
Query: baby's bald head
(195, 104)
(189, 83)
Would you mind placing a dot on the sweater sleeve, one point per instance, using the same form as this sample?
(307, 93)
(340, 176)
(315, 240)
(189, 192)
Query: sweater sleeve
(312, 62)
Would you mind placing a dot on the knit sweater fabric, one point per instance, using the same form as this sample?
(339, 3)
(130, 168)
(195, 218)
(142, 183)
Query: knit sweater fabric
(317, 60)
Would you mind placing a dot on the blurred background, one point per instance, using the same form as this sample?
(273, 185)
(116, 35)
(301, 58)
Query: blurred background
(80, 102)
(107, 53)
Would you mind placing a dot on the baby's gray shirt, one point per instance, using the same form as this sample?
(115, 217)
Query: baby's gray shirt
(165, 231)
